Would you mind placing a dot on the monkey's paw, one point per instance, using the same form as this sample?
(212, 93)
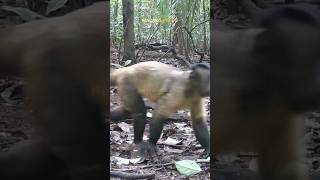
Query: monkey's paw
(144, 150)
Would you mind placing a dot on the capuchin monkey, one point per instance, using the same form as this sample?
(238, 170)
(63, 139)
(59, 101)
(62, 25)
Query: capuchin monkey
(63, 60)
(172, 90)
(262, 86)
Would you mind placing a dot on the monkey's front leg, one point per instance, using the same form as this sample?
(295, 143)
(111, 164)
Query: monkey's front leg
(156, 127)
(200, 127)
(202, 134)
(165, 106)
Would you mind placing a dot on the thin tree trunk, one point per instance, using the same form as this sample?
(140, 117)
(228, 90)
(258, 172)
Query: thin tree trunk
(204, 28)
(128, 31)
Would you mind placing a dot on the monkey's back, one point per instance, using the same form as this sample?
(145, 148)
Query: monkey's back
(152, 79)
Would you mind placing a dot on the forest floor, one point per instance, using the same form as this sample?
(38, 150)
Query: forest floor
(14, 116)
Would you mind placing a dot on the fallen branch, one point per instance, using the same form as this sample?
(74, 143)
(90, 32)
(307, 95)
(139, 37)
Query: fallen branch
(125, 175)
(157, 165)
(170, 164)
(173, 145)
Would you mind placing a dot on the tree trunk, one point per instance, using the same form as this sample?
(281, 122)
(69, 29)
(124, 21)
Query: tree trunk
(179, 33)
(128, 31)
(115, 10)
(205, 48)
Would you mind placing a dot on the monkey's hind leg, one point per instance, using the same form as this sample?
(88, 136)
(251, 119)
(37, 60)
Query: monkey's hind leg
(133, 102)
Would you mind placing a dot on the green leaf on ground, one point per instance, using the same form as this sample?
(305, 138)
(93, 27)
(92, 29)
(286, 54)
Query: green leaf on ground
(187, 167)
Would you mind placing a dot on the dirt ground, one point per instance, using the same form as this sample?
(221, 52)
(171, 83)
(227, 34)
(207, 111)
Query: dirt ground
(14, 123)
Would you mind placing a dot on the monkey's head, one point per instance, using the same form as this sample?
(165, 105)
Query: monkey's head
(200, 79)
(289, 58)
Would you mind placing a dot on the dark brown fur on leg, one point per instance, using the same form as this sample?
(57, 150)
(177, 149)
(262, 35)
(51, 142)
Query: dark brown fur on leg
(200, 127)
(134, 104)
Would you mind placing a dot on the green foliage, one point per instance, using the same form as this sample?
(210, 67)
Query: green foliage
(156, 20)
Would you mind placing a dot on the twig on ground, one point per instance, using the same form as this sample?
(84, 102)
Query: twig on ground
(125, 175)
